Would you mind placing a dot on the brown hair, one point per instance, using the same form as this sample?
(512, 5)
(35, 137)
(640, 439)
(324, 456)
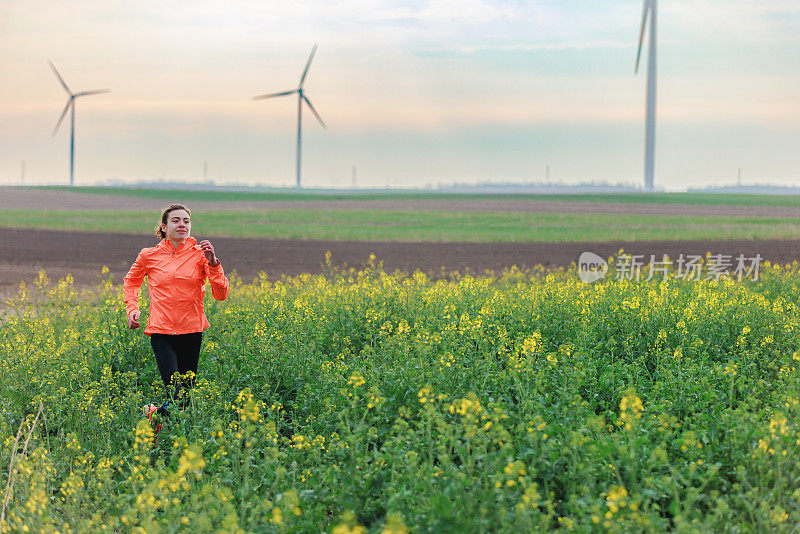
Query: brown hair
(165, 215)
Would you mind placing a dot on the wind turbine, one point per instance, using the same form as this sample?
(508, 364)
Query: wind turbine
(649, 7)
(71, 106)
(301, 97)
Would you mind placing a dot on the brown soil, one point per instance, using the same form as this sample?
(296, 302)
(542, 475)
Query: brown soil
(24, 252)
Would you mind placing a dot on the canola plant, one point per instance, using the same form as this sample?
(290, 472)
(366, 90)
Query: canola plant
(366, 401)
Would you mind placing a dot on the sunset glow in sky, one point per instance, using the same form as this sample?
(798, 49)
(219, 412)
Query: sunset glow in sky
(414, 93)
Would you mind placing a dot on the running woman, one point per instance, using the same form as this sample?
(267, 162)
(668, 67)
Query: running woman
(177, 269)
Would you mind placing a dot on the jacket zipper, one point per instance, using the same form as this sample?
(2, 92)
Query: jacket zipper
(174, 249)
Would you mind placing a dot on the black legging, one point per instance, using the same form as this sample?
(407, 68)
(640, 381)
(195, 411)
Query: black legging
(176, 354)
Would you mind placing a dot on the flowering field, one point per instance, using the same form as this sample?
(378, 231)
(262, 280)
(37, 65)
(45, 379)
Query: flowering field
(363, 401)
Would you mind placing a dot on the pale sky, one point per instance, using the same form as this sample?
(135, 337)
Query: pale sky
(414, 93)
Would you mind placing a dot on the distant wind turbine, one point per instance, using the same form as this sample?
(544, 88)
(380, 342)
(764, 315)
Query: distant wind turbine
(649, 7)
(71, 106)
(301, 97)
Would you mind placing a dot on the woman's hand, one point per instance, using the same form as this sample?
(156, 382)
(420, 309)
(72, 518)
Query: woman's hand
(208, 250)
(133, 320)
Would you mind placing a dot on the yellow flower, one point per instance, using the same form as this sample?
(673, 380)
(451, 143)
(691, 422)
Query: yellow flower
(617, 498)
(630, 409)
(191, 461)
(425, 395)
(349, 525)
(276, 518)
(356, 380)
(531, 344)
(394, 525)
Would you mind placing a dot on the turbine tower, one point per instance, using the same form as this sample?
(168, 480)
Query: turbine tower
(71, 106)
(649, 8)
(301, 97)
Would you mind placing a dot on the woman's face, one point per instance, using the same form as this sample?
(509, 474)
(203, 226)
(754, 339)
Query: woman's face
(178, 226)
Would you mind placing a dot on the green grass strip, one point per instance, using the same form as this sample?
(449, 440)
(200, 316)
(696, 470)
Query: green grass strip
(216, 195)
(379, 225)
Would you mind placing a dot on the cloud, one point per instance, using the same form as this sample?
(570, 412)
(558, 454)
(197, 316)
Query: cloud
(528, 47)
(423, 67)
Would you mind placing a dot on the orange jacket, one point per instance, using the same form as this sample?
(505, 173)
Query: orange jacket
(177, 281)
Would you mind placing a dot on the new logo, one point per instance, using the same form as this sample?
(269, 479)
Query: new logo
(591, 267)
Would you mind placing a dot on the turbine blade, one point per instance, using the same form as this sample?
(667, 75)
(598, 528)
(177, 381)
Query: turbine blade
(63, 114)
(314, 111)
(645, 10)
(308, 64)
(96, 92)
(60, 79)
(282, 93)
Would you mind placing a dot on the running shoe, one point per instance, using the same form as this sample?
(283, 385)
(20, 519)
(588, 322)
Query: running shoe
(156, 415)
